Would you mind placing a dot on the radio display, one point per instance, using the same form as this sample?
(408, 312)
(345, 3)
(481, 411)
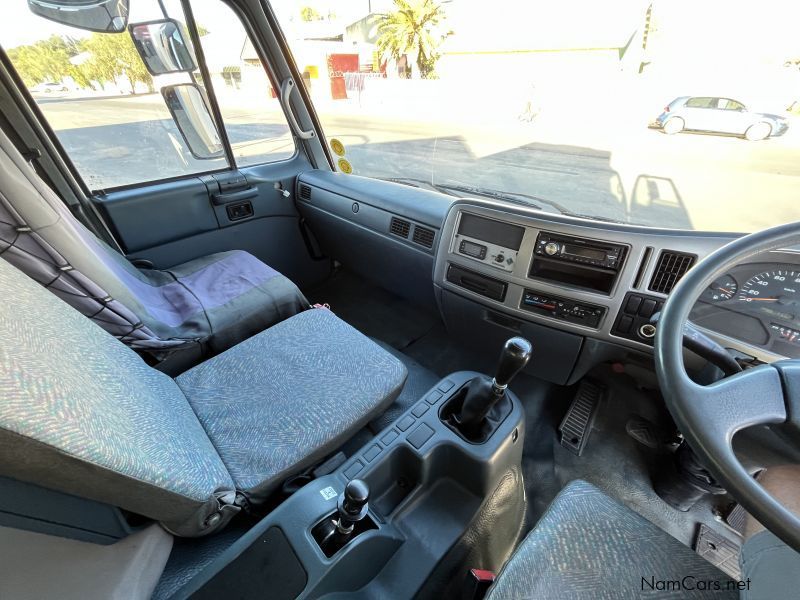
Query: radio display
(472, 249)
(590, 253)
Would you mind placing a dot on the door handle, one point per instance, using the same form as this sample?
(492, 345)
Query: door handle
(220, 198)
(286, 91)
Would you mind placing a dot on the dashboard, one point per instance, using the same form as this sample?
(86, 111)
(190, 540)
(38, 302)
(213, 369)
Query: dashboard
(604, 281)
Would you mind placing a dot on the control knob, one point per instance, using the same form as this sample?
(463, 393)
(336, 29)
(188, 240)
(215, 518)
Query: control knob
(551, 248)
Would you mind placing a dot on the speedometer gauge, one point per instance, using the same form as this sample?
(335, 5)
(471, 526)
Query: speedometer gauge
(776, 293)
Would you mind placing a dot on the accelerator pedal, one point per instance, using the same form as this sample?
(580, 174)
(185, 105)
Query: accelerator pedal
(577, 424)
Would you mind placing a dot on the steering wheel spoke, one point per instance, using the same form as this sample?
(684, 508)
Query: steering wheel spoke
(753, 397)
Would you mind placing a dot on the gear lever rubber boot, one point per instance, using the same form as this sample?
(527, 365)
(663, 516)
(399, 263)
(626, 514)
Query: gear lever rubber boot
(483, 394)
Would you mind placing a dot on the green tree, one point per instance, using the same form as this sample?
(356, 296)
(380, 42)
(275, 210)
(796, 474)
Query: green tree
(114, 55)
(415, 27)
(45, 60)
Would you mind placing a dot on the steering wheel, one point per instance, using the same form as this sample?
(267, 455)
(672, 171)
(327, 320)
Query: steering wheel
(709, 416)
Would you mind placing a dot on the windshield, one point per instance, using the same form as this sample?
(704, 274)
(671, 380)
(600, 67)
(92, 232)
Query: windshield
(671, 114)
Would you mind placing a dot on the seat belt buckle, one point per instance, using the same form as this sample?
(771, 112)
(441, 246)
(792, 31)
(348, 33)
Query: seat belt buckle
(477, 584)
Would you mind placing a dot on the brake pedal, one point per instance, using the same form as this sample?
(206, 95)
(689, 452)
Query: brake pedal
(720, 551)
(577, 424)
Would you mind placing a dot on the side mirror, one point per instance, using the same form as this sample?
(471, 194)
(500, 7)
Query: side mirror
(190, 113)
(163, 47)
(106, 16)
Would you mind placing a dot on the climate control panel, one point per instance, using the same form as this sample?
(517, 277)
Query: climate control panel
(563, 309)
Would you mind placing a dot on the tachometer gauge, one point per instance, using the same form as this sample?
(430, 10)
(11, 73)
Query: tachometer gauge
(722, 289)
(776, 293)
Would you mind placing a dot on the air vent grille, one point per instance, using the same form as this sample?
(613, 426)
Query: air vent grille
(399, 227)
(423, 236)
(670, 268)
(305, 192)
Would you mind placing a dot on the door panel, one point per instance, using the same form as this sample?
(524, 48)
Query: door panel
(147, 216)
(171, 223)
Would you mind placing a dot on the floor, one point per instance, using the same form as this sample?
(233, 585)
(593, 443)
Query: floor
(612, 459)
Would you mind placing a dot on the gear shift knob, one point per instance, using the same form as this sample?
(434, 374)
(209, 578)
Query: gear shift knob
(352, 505)
(515, 355)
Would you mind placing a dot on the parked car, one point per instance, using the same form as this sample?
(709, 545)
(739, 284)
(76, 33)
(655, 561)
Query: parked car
(722, 115)
(48, 87)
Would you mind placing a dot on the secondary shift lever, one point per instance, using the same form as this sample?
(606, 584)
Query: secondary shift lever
(482, 394)
(352, 505)
(337, 530)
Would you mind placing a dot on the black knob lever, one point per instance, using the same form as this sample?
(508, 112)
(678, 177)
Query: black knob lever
(353, 505)
(515, 355)
(481, 395)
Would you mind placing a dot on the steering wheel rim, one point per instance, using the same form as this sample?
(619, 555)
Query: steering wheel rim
(709, 416)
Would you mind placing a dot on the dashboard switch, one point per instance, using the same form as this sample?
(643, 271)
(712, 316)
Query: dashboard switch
(625, 324)
(633, 304)
(647, 309)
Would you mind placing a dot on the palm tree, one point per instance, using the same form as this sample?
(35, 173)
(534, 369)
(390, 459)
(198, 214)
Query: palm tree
(413, 28)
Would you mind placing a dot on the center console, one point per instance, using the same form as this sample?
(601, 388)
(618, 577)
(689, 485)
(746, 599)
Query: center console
(393, 519)
(567, 284)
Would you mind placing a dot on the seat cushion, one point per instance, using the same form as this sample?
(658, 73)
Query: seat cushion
(588, 545)
(236, 295)
(83, 414)
(286, 397)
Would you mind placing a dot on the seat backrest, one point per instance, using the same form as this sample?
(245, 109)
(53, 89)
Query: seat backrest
(42, 238)
(83, 414)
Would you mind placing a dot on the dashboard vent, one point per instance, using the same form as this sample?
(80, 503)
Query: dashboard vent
(399, 227)
(670, 268)
(305, 191)
(423, 236)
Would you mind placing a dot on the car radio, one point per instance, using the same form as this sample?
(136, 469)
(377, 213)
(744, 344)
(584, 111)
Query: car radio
(580, 250)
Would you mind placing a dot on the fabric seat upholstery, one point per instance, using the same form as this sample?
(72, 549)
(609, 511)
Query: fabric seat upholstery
(289, 395)
(215, 301)
(82, 413)
(589, 546)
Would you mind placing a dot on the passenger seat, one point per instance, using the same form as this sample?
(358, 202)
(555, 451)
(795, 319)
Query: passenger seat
(208, 304)
(83, 414)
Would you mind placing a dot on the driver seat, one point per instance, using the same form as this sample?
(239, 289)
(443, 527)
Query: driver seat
(588, 545)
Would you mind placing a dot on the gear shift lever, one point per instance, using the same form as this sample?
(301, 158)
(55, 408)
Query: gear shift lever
(482, 395)
(352, 506)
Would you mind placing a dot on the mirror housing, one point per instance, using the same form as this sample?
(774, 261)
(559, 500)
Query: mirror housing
(163, 47)
(190, 112)
(104, 16)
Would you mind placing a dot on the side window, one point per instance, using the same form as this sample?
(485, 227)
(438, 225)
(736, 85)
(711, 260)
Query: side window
(254, 121)
(701, 103)
(729, 104)
(125, 120)
(105, 106)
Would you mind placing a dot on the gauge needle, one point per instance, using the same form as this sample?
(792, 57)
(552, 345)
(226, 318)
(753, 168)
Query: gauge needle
(762, 299)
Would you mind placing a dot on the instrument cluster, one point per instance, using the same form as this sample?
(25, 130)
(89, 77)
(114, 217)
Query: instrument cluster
(757, 303)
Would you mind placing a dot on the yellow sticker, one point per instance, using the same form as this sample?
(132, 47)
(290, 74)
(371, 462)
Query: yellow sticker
(345, 166)
(337, 147)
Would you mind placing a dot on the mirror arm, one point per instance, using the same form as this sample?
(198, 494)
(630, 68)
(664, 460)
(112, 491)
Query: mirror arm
(286, 91)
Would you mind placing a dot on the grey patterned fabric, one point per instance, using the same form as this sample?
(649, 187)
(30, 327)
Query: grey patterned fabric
(216, 300)
(286, 397)
(589, 546)
(81, 413)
